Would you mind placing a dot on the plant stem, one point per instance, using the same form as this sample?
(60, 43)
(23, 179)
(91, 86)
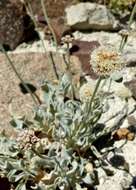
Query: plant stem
(125, 38)
(18, 75)
(68, 69)
(93, 96)
(50, 55)
(48, 22)
(32, 15)
(54, 66)
(132, 16)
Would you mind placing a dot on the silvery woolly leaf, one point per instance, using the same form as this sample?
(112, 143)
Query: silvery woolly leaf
(66, 79)
(17, 164)
(20, 176)
(11, 175)
(65, 83)
(21, 186)
(38, 187)
(66, 154)
(41, 186)
(78, 187)
(81, 166)
(117, 76)
(74, 168)
(48, 91)
(81, 141)
(17, 123)
(37, 162)
(88, 179)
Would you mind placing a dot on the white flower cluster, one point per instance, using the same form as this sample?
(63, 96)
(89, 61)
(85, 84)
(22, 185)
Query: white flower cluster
(26, 139)
(86, 91)
(106, 60)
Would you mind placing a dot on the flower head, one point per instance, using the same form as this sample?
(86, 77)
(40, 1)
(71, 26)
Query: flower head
(106, 60)
(86, 91)
(67, 39)
(27, 139)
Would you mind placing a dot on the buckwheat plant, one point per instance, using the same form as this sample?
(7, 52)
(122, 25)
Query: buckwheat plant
(55, 150)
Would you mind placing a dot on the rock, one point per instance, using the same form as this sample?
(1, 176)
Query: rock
(130, 57)
(15, 25)
(112, 87)
(34, 67)
(128, 150)
(102, 38)
(132, 86)
(132, 119)
(83, 49)
(84, 16)
(114, 115)
(59, 27)
(121, 180)
(110, 38)
(55, 9)
(120, 90)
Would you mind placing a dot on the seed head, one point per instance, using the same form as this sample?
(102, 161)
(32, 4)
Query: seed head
(106, 60)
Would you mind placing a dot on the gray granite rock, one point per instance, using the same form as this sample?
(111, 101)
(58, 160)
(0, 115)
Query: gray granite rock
(132, 86)
(119, 181)
(84, 16)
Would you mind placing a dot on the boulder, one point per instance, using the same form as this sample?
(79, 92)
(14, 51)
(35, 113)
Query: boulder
(82, 50)
(55, 8)
(15, 25)
(131, 85)
(111, 39)
(84, 16)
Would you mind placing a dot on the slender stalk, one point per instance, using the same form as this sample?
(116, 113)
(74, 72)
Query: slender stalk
(33, 17)
(93, 96)
(65, 61)
(123, 42)
(132, 16)
(125, 38)
(48, 22)
(50, 55)
(53, 64)
(68, 53)
(68, 69)
(18, 75)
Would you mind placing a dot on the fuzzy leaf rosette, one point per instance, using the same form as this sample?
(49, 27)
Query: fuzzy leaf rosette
(106, 60)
